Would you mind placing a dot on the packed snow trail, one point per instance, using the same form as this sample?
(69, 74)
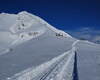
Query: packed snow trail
(59, 68)
(53, 72)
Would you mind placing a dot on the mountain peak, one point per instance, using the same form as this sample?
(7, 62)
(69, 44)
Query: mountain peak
(24, 21)
(23, 12)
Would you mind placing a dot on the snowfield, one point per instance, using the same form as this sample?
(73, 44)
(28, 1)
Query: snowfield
(32, 49)
(59, 68)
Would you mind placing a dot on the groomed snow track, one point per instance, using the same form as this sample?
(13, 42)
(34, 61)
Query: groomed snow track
(53, 71)
(62, 67)
(59, 69)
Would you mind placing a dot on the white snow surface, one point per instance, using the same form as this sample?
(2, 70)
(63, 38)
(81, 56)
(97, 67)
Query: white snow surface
(14, 28)
(62, 68)
(32, 49)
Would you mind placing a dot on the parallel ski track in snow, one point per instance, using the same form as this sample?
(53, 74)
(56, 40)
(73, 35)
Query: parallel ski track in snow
(52, 71)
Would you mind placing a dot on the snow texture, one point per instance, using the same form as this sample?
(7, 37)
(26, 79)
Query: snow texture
(32, 49)
(59, 68)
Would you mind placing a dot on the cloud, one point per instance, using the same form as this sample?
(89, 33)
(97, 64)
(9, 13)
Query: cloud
(88, 33)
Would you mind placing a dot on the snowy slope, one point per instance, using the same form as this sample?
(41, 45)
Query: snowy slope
(32, 49)
(59, 68)
(16, 29)
(88, 60)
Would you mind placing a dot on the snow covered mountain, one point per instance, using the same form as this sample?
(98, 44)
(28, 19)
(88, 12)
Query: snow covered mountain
(15, 29)
(32, 49)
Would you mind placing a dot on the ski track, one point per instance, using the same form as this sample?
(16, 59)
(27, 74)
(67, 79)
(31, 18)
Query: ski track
(59, 68)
